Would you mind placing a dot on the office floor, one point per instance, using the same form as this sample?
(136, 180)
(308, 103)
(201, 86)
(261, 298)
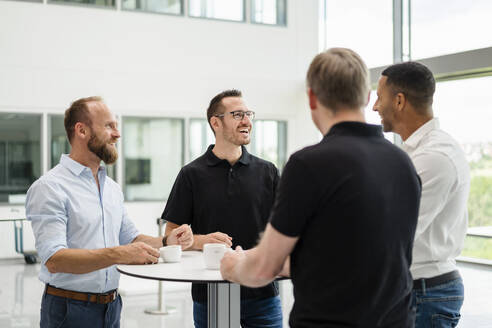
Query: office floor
(20, 294)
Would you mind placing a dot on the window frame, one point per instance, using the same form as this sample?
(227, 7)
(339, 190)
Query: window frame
(42, 138)
(181, 13)
(85, 5)
(285, 14)
(244, 19)
(49, 138)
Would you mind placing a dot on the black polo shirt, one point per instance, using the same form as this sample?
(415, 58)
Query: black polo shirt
(211, 195)
(353, 201)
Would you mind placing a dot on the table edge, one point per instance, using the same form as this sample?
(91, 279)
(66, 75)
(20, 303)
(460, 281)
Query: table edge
(173, 279)
(279, 278)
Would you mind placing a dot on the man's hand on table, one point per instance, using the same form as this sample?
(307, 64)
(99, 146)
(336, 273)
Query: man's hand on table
(229, 263)
(182, 235)
(137, 253)
(212, 238)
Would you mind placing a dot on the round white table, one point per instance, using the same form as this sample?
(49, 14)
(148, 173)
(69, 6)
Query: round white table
(223, 297)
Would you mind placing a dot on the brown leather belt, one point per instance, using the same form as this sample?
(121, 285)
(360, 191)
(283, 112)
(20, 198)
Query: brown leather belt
(86, 297)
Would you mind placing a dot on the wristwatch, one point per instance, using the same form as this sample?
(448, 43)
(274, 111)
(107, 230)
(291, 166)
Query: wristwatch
(164, 241)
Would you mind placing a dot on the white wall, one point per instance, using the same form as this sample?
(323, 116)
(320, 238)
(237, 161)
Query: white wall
(150, 64)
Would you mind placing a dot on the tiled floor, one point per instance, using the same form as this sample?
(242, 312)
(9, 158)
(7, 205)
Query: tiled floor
(20, 294)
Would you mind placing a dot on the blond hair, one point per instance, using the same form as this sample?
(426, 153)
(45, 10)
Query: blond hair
(339, 78)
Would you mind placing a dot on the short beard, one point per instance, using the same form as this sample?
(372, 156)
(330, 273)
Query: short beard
(102, 150)
(236, 141)
(230, 137)
(387, 127)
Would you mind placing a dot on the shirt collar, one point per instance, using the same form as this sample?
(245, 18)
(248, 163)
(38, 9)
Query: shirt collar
(354, 129)
(245, 156)
(213, 160)
(74, 166)
(414, 139)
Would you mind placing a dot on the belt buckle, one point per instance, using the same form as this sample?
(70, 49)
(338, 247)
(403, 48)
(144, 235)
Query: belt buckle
(106, 298)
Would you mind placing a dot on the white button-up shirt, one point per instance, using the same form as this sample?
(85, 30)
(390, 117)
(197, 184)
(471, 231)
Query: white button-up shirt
(443, 215)
(67, 210)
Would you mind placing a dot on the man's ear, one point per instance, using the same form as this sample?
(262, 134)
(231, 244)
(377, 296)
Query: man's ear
(214, 122)
(400, 101)
(313, 100)
(81, 130)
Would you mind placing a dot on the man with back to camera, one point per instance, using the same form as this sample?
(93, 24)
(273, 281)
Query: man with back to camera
(226, 196)
(345, 211)
(405, 96)
(79, 222)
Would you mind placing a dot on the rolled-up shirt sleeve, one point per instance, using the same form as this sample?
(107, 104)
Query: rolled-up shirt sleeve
(128, 231)
(45, 208)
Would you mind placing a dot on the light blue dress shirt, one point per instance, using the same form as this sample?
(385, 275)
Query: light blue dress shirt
(67, 210)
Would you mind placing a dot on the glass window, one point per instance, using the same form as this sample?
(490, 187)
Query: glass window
(268, 140)
(463, 114)
(152, 156)
(174, 7)
(201, 136)
(442, 27)
(363, 26)
(218, 9)
(58, 139)
(99, 3)
(58, 144)
(20, 155)
(269, 12)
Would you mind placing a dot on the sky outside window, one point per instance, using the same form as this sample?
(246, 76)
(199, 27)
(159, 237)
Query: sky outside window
(363, 26)
(441, 27)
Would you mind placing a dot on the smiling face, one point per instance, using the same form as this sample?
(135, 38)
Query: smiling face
(104, 133)
(385, 105)
(232, 131)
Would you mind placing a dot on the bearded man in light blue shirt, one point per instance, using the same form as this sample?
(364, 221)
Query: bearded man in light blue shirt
(82, 229)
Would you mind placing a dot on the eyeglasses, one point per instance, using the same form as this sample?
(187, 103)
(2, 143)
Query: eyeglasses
(238, 115)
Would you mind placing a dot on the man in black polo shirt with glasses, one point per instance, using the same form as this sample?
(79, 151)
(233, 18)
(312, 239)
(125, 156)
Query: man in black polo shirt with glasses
(345, 212)
(226, 196)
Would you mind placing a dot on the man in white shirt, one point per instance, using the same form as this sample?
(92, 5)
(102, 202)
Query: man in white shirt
(405, 94)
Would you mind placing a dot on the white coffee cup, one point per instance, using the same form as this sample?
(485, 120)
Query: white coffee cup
(171, 253)
(212, 254)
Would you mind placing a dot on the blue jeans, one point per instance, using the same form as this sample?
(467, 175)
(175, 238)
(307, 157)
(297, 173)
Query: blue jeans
(438, 306)
(264, 313)
(58, 312)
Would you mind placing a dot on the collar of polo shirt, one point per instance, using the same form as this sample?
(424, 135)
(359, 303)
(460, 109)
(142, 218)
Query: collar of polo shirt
(213, 160)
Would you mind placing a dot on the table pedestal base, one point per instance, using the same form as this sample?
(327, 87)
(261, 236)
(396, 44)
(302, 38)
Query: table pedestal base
(162, 309)
(224, 305)
(165, 311)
